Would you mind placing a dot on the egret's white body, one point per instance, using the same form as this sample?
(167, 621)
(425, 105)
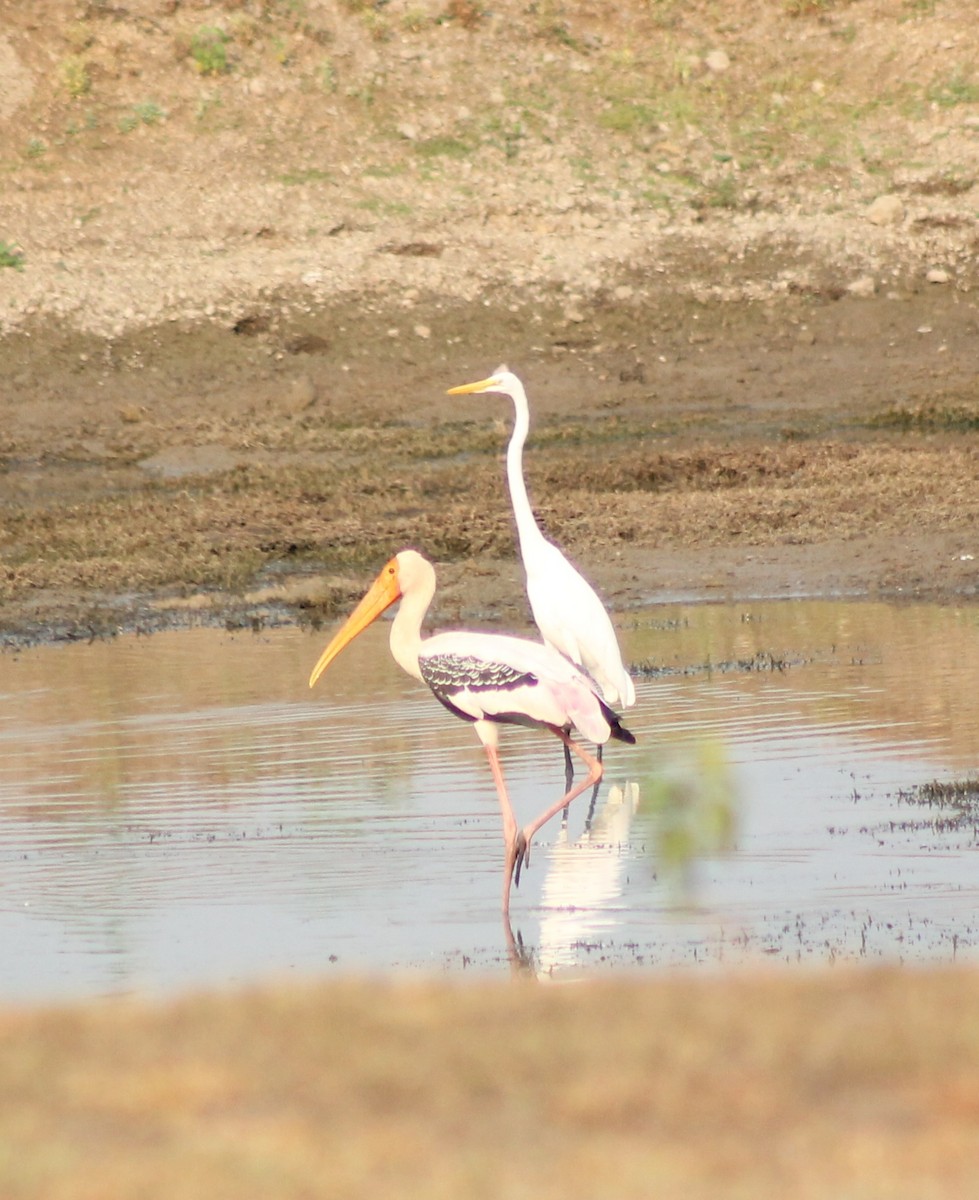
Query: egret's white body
(489, 679)
(567, 610)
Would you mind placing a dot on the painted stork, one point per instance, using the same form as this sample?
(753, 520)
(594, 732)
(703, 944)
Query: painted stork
(489, 679)
(567, 610)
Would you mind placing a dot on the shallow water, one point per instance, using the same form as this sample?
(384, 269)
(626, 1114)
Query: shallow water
(181, 810)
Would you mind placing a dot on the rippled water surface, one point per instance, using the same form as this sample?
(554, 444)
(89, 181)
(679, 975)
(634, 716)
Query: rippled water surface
(182, 811)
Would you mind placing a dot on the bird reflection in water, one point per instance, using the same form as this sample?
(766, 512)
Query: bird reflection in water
(583, 885)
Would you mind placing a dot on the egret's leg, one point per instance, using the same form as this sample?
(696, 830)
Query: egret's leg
(594, 792)
(569, 780)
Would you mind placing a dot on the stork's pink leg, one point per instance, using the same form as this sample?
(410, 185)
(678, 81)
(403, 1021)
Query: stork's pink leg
(595, 772)
(509, 824)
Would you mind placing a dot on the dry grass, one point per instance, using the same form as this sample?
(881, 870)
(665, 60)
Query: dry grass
(222, 532)
(856, 1084)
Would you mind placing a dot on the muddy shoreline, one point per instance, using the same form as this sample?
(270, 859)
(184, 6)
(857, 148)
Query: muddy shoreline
(203, 474)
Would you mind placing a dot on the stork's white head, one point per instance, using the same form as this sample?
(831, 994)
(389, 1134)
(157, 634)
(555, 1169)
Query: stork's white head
(407, 574)
(414, 572)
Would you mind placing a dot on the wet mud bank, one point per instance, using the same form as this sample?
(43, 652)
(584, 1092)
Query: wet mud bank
(256, 473)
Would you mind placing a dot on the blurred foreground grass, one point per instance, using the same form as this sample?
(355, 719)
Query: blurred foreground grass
(863, 1084)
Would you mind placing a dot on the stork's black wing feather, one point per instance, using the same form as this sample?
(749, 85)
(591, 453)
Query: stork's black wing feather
(447, 674)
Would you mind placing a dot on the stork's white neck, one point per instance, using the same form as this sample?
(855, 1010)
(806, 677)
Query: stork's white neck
(406, 628)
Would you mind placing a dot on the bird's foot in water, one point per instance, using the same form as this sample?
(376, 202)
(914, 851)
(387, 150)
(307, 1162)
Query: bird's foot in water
(522, 856)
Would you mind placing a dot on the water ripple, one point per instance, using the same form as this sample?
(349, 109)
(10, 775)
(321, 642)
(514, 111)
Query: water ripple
(181, 810)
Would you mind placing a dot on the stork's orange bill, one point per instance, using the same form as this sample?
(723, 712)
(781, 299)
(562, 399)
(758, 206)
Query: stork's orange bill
(383, 592)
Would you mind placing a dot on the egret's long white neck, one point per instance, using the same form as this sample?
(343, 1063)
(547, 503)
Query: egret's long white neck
(406, 628)
(527, 528)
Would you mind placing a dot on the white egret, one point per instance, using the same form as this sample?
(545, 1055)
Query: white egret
(567, 610)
